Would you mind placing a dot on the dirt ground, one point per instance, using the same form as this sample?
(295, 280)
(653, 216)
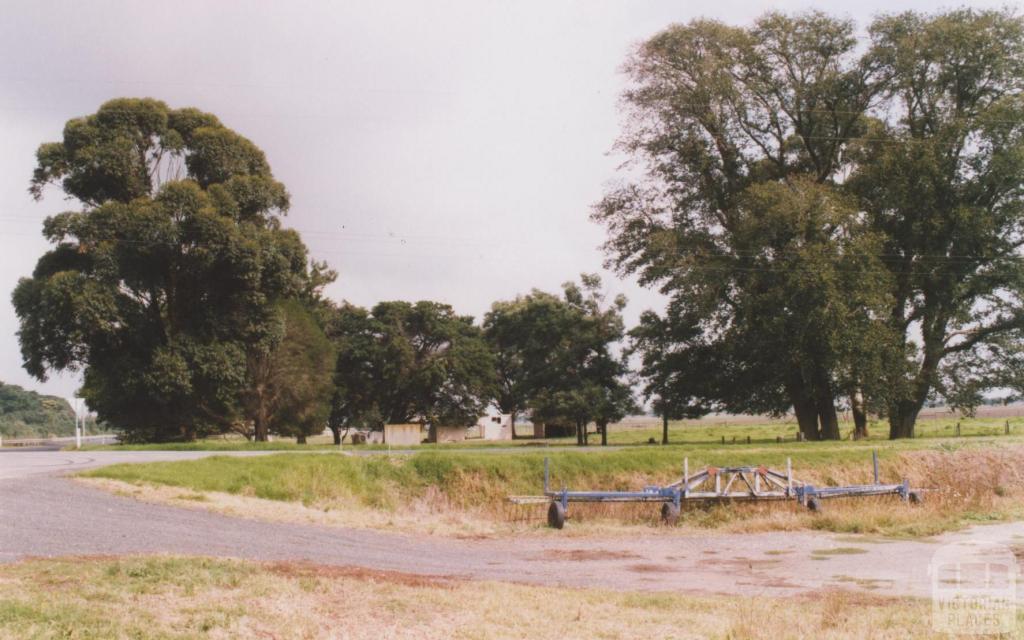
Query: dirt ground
(54, 517)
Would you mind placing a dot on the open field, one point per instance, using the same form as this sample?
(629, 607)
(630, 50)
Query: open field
(184, 597)
(975, 479)
(640, 431)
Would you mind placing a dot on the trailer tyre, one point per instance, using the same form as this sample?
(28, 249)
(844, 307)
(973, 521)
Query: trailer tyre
(915, 497)
(813, 504)
(556, 515)
(669, 514)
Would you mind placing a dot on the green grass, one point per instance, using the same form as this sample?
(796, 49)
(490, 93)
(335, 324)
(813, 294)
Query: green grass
(380, 480)
(839, 551)
(477, 482)
(695, 433)
(219, 444)
(45, 608)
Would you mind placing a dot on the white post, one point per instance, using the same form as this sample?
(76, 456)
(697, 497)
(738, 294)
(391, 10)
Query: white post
(686, 476)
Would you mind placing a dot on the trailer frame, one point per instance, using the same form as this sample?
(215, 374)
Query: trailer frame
(716, 484)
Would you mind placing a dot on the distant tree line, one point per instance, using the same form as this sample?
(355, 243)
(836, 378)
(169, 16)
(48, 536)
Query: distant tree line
(191, 311)
(27, 414)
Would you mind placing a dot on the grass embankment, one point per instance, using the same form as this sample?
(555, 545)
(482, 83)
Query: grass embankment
(974, 480)
(704, 432)
(168, 597)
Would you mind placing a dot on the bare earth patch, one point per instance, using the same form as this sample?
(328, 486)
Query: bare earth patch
(175, 597)
(585, 555)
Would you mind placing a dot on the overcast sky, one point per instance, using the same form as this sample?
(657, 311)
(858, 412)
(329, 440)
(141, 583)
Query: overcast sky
(434, 150)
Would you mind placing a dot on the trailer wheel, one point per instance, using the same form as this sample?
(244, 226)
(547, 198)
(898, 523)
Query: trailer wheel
(915, 497)
(813, 504)
(669, 514)
(556, 515)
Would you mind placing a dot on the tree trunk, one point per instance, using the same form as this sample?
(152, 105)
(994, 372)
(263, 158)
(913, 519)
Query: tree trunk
(829, 419)
(860, 416)
(336, 430)
(579, 434)
(586, 434)
(300, 439)
(603, 426)
(664, 429)
(902, 418)
(826, 406)
(806, 412)
(512, 423)
(259, 424)
(903, 413)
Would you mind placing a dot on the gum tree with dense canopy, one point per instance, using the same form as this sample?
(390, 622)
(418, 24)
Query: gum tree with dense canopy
(526, 335)
(941, 177)
(402, 362)
(166, 277)
(739, 139)
(575, 375)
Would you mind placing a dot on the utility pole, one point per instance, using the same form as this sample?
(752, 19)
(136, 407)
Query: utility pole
(78, 425)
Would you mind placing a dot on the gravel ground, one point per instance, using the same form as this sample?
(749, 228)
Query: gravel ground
(44, 514)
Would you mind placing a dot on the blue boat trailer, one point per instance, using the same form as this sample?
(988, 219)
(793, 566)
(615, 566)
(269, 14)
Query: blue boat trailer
(717, 484)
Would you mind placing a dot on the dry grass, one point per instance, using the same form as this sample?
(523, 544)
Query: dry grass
(167, 597)
(962, 486)
(428, 515)
(965, 484)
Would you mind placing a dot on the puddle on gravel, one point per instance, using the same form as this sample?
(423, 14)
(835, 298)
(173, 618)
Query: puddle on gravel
(587, 555)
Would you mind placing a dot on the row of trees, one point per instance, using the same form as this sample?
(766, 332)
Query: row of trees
(190, 311)
(835, 221)
(546, 355)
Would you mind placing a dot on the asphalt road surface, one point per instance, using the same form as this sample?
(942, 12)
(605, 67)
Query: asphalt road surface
(21, 463)
(43, 513)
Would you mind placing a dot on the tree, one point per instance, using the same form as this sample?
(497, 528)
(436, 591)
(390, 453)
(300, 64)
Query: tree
(582, 380)
(741, 136)
(290, 381)
(161, 284)
(358, 370)
(670, 368)
(410, 361)
(940, 178)
(27, 414)
(525, 335)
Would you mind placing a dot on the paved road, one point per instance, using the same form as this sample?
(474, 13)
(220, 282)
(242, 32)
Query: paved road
(21, 463)
(44, 514)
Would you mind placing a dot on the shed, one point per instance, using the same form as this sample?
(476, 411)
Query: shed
(495, 426)
(447, 434)
(402, 435)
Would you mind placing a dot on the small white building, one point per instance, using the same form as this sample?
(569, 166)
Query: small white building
(495, 425)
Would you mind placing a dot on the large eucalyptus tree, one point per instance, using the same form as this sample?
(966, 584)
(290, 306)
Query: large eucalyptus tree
(163, 280)
(941, 176)
(738, 139)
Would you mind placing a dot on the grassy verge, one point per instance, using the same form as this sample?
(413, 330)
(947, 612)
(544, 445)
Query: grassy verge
(707, 432)
(975, 480)
(171, 597)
